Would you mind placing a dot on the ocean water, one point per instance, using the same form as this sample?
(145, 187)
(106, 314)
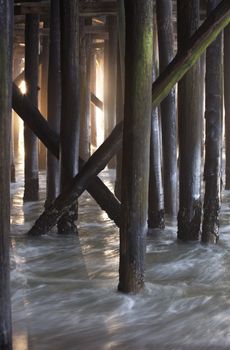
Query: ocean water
(64, 288)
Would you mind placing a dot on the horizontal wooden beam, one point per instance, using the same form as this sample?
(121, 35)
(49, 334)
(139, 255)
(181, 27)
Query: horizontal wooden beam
(86, 8)
(88, 29)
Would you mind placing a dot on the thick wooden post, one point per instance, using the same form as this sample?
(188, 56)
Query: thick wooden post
(156, 192)
(6, 43)
(213, 114)
(227, 103)
(120, 87)
(112, 79)
(44, 94)
(31, 78)
(54, 100)
(70, 108)
(168, 107)
(85, 50)
(119, 118)
(93, 77)
(136, 143)
(17, 62)
(189, 124)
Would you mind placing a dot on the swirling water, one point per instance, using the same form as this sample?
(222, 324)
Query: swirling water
(64, 293)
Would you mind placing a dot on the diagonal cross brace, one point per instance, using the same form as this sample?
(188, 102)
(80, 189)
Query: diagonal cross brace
(34, 119)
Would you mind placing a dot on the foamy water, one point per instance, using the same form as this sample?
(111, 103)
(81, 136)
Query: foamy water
(64, 289)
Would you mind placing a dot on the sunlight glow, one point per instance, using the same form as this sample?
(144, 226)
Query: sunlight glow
(22, 87)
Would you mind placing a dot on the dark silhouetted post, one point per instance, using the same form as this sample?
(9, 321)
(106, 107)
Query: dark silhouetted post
(168, 107)
(213, 113)
(85, 51)
(156, 192)
(93, 77)
(54, 100)
(136, 143)
(31, 78)
(44, 94)
(70, 105)
(189, 124)
(6, 44)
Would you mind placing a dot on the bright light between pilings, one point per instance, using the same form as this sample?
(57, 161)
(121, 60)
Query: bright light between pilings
(22, 87)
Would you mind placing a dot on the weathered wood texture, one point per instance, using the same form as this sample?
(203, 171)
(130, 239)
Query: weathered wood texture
(110, 119)
(213, 113)
(54, 100)
(85, 54)
(136, 143)
(65, 200)
(6, 44)
(120, 86)
(31, 78)
(119, 118)
(70, 104)
(93, 121)
(227, 103)
(43, 95)
(168, 107)
(156, 192)
(189, 130)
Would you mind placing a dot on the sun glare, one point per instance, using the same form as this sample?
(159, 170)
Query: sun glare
(22, 87)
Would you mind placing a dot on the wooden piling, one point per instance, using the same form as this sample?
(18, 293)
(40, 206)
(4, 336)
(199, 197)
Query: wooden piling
(189, 130)
(168, 107)
(93, 122)
(156, 191)
(112, 79)
(44, 94)
(6, 44)
(136, 143)
(31, 78)
(213, 117)
(70, 104)
(54, 100)
(85, 96)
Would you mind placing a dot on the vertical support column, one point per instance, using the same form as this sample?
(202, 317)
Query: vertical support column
(54, 100)
(85, 49)
(120, 87)
(136, 143)
(6, 44)
(156, 192)
(119, 117)
(112, 78)
(213, 116)
(70, 104)
(31, 78)
(168, 107)
(43, 94)
(93, 77)
(17, 63)
(227, 103)
(189, 125)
